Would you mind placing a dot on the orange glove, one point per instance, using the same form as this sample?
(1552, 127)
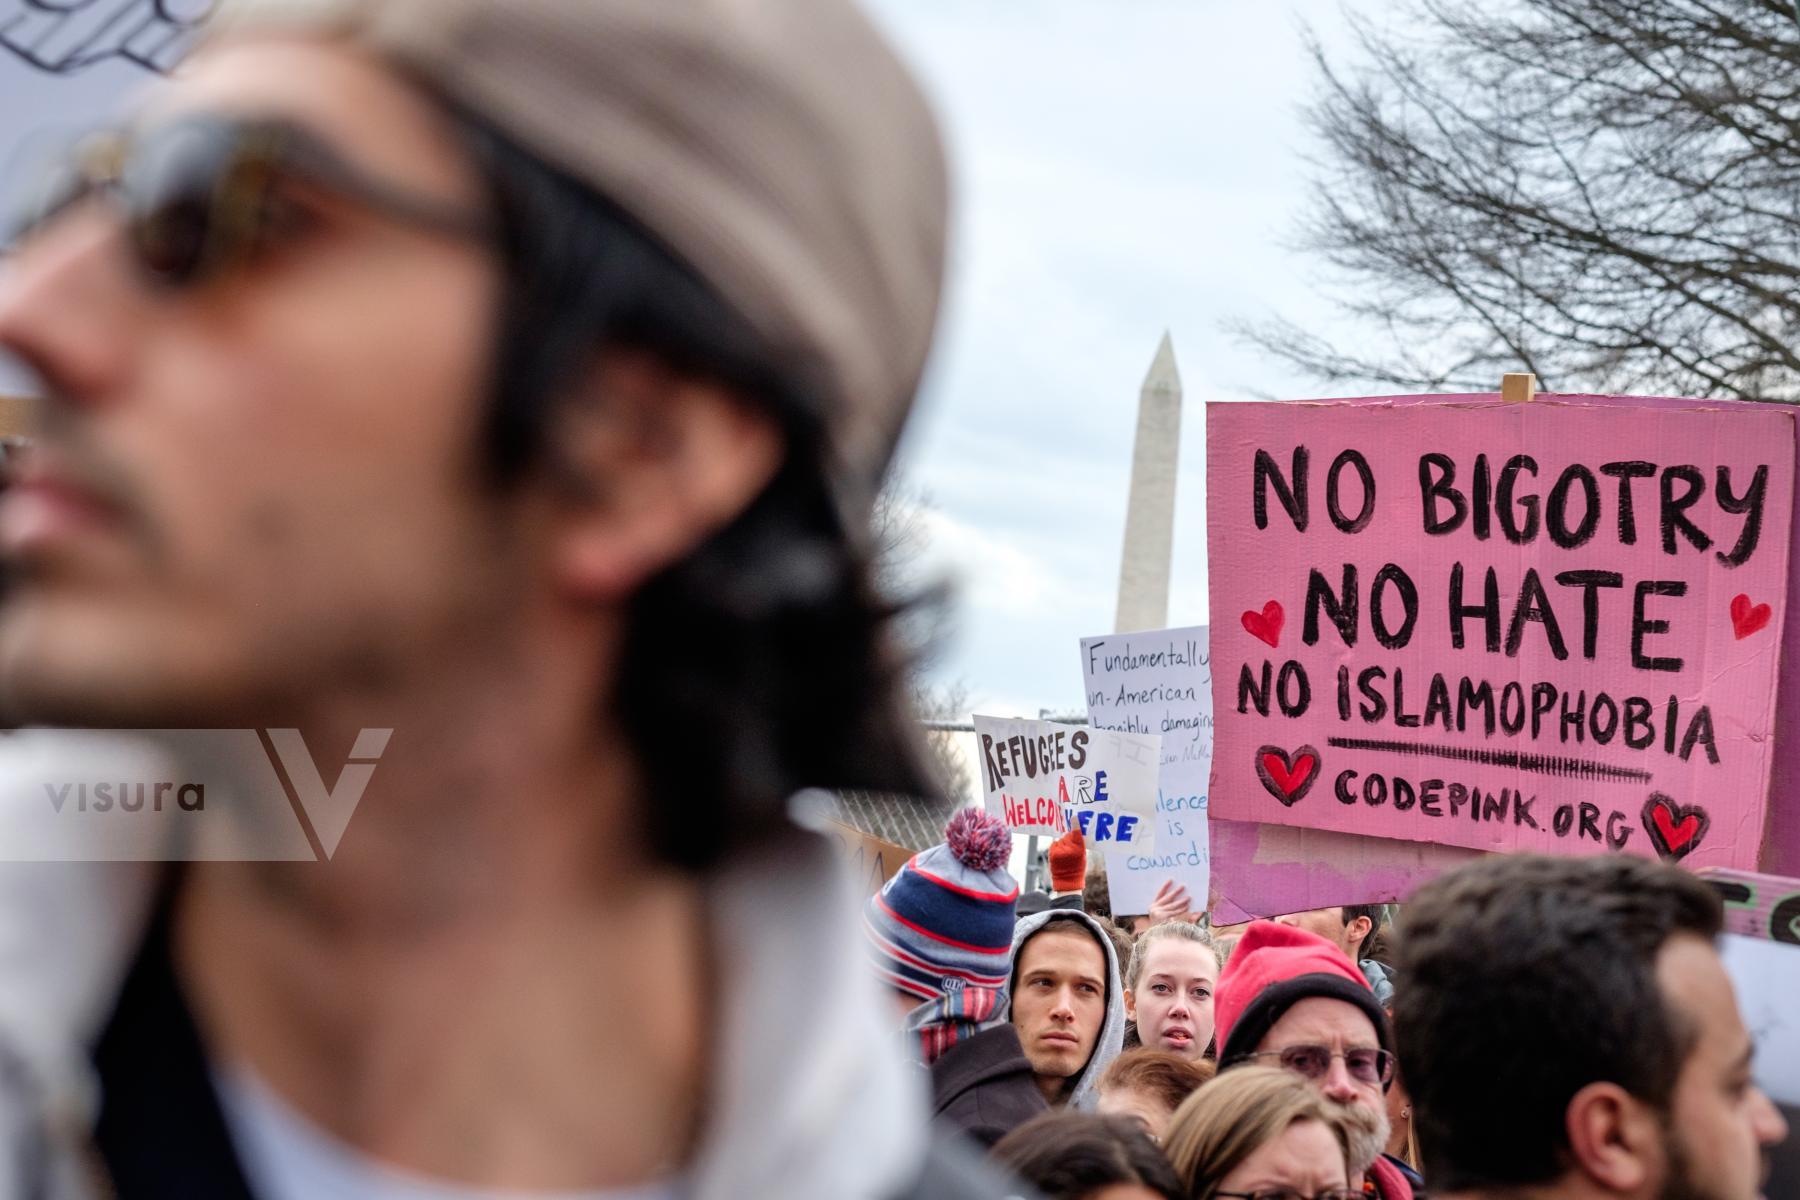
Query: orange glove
(1068, 861)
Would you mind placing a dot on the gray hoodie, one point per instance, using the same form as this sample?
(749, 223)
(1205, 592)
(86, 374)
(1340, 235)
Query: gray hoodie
(1381, 980)
(1112, 1029)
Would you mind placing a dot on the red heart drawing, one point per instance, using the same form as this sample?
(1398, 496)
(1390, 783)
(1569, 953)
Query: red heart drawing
(1674, 829)
(1747, 619)
(1286, 777)
(1266, 625)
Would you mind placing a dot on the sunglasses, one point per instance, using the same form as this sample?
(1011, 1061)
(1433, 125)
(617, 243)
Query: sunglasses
(1365, 1065)
(203, 194)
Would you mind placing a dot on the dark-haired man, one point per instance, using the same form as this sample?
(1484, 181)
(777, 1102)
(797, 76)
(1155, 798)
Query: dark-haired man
(1571, 1032)
(1350, 927)
(1063, 1025)
(513, 375)
(1067, 1003)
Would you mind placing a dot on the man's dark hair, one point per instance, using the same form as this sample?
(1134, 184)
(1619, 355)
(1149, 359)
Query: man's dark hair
(763, 662)
(1059, 920)
(1375, 913)
(1121, 941)
(1528, 978)
(1069, 1155)
(1096, 896)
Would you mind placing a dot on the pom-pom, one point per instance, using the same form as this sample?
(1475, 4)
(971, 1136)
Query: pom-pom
(978, 841)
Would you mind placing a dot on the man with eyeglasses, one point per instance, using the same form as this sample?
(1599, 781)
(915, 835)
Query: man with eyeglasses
(1290, 998)
(515, 376)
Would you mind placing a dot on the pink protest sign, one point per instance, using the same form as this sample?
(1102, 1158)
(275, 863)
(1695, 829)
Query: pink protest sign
(1267, 870)
(1550, 626)
(1758, 906)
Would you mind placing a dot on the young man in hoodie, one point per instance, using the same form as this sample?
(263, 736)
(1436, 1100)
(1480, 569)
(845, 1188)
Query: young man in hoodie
(1063, 1024)
(1293, 999)
(514, 376)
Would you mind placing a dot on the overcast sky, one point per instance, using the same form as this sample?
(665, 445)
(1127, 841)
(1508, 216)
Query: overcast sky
(1123, 166)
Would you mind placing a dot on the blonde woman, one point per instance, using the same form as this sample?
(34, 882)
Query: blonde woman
(1169, 987)
(1262, 1133)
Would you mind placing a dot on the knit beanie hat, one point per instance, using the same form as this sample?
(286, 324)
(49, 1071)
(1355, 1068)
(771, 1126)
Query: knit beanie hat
(944, 922)
(1068, 861)
(1273, 968)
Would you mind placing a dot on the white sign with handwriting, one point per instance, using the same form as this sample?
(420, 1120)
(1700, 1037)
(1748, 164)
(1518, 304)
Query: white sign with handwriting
(1158, 683)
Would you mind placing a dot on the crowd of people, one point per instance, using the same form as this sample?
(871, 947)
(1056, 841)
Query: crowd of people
(1569, 1028)
(494, 394)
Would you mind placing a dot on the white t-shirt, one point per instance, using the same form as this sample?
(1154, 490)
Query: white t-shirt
(287, 1157)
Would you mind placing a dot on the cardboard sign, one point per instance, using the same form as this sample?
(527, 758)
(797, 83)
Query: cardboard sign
(1158, 683)
(1041, 777)
(872, 861)
(1759, 906)
(1550, 626)
(1267, 870)
(1761, 949)
(1766, 976)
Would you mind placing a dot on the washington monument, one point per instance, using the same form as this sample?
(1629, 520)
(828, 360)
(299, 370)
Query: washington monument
(1150, 513)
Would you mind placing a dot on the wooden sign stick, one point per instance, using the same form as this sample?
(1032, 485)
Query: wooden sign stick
(1518, 387)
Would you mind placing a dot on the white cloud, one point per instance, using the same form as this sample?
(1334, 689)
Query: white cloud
(1003, 576)
(1122, 168)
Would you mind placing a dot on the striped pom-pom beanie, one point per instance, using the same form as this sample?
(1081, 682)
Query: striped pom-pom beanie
(944, 922)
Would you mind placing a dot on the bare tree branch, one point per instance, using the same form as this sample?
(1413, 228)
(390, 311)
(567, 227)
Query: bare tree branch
(1605, 192)
(902, 538)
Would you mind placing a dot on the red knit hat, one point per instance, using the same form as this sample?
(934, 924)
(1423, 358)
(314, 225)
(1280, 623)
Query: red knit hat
(1068, 862)
(1274, 967)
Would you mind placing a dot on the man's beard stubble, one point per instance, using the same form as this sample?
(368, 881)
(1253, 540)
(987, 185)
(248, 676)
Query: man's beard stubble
(1682, 1182)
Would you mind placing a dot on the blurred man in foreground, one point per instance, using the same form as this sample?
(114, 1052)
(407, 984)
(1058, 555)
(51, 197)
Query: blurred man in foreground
(515, 376)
